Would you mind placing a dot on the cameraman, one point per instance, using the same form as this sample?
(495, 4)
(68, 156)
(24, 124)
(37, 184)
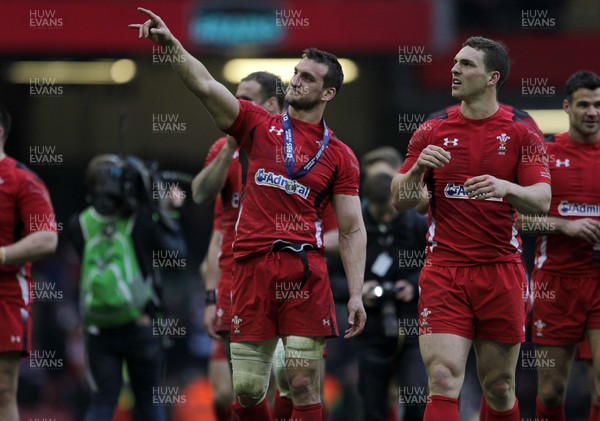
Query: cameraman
(395, 252)
(117, 238)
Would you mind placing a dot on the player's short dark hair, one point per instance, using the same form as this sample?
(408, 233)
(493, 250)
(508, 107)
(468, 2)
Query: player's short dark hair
(270, 85)
(387, 154)
(495, 56)
(376, 188)
(584, 79)
(5, 121)
(335, 75)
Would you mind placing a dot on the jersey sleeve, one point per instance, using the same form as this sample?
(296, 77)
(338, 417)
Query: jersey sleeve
(250, 115)
(348, 177)
(218, 213)
(418, 142)
(214, 151)
(34, 205)
(533, 159)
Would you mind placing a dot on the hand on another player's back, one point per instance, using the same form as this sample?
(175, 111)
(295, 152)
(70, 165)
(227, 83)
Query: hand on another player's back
(585, 228)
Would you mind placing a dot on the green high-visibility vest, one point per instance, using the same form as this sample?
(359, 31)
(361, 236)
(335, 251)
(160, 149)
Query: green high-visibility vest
(113, 291)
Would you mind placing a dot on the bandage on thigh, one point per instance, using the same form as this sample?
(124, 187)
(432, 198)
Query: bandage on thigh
(251, 363)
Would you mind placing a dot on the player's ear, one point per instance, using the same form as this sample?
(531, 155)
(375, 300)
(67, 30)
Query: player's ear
(328, 94)
(566, 105)
(494, 78)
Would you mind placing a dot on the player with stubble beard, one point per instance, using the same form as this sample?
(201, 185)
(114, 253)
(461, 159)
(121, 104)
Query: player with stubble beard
(264, 261)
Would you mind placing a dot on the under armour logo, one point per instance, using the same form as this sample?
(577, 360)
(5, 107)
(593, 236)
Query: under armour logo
(326, 322)
(278, 131)
(447, 142)
(560, 163)
(14, 339)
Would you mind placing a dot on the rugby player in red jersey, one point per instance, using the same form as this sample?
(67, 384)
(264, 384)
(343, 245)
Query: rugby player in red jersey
(566, 278)
(270, 263)
(27, 233)
(481, 164)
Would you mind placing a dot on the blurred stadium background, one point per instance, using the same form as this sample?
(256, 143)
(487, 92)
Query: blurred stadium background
(70, 68)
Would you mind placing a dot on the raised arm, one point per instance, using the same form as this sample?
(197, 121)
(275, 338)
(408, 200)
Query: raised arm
(352, 243)
(210, 181)
(216, 98)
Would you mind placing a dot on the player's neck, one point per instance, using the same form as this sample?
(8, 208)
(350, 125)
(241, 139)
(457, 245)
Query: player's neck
(579, 137)
(479, 108)
(312, 116)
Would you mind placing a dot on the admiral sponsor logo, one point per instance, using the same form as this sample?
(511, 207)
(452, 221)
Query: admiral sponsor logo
(269, 179)
(565, 208)
(457, 191)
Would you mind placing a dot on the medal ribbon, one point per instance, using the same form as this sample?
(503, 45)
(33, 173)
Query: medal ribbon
(288, 142)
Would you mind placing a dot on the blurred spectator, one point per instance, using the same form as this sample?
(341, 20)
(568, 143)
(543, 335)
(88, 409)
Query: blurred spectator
(123, 240)
(388, 347)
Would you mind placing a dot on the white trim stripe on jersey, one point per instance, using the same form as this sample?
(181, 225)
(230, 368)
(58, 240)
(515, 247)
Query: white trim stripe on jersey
(541, 259)
(24, 285)
(318, 232)
(514, 241)
(431, 240)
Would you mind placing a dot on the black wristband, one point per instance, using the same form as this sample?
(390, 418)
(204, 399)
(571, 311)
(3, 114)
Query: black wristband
(211, 297)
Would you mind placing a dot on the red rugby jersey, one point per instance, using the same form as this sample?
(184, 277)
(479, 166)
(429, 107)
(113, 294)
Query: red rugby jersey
(463, 231)
(575, 194)
(25, 207)
(267, 211)
(228, 200)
